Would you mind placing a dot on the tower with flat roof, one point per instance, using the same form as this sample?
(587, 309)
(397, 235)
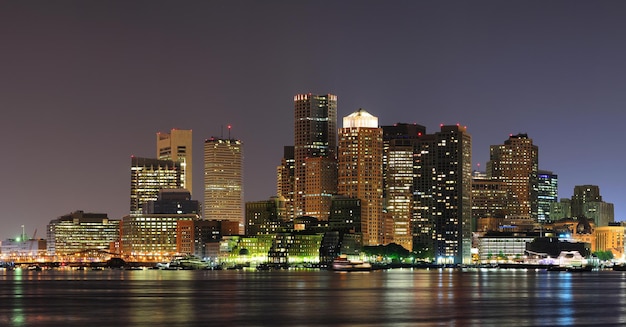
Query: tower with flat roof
(177, 146)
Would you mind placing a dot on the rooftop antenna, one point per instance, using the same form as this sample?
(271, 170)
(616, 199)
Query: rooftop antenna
(229, 131)
(222, 131)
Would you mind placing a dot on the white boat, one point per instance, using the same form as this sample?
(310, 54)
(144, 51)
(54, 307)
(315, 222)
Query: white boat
(343, 264)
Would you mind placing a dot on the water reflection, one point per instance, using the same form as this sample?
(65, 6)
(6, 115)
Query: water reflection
(402, 297)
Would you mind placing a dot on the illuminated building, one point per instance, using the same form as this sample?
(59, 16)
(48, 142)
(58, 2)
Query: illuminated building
(443, 195)
(153, 232)
(295, 248)
(315, 135)
(177, 146)
(80, 231)
(587, 202)
(516, 164)
(361, 170)
(148, 177)
(610, 238)
(265, 217)
(320, 185)
(547, 193)
(196, 236)
(285, 176)
(561, 209)
(503, 246)
(489, 199)
(223, 180)
(399, 142)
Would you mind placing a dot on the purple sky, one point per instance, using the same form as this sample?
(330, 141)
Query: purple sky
(85, 85)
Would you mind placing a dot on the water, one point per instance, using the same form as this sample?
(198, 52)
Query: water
(398, 297)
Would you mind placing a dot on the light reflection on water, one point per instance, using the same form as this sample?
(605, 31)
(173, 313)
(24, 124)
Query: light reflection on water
(402, 297)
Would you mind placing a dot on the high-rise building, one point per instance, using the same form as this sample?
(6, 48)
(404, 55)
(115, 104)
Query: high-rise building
(442, 224)
(320, 185)
(516, 163)
(315, 135)
(587, 202)
(489, 198)
(148, 177)
(177, 146)
(361, 170)
(399, 143)
(548, 191)
(81, 231)
(223, 180)
(285, 181)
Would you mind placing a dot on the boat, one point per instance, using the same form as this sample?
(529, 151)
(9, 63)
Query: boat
(35, 268)
(343, 264)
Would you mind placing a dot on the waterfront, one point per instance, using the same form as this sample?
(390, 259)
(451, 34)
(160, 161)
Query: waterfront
(396, 297)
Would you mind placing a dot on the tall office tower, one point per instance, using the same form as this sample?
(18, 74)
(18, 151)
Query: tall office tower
(561, 209)
(489, 198)
(547, 193)
(315, 136)
(443, 195)
(223, 180)
(148, 177)
(361, 170)
(399, 142)
(320, 185)
(285, 181)
(177, 146)
(516, 163)
(587, 202)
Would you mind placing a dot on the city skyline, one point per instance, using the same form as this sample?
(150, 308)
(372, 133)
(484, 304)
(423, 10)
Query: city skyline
(82, 92)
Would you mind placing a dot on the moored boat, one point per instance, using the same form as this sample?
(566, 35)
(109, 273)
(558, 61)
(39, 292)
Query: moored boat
(343, 264)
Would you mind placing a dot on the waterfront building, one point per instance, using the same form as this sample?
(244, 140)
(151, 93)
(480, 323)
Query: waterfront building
(575, 230)
(223, 180)
(177, 145)
(587, 202)
(361, 170)
(295, 248)
(153, 232)
(265, 217)
(442, 223)
(285, 176)
(547, 194)
(244, 250)
(199, 236)
(21, 247)
(81, 231)
(516, 164)
(399, 143)
(315, 135)
(503, 246)
(610, 238)
(148, 177)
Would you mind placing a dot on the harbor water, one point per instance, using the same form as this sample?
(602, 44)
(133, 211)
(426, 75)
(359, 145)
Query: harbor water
(395, 297)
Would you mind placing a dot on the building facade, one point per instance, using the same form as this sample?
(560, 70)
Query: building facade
(547, 194)
(315, 135)
(177, 146)
(442, 221)
(81, 231)
(516, 163)
(148, 177)
(361, 170)
(223, 180)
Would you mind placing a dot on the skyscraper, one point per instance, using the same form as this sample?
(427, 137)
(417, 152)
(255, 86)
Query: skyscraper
(587, 202)
(361, 170)
(177, 146)
(148, 177)
(548, 191)
(223, 180)
(516, 163)
(315, 135)
(399, 142)
(285, 181)
(442, 189)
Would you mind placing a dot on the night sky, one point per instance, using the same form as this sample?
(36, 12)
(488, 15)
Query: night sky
(86, 84)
